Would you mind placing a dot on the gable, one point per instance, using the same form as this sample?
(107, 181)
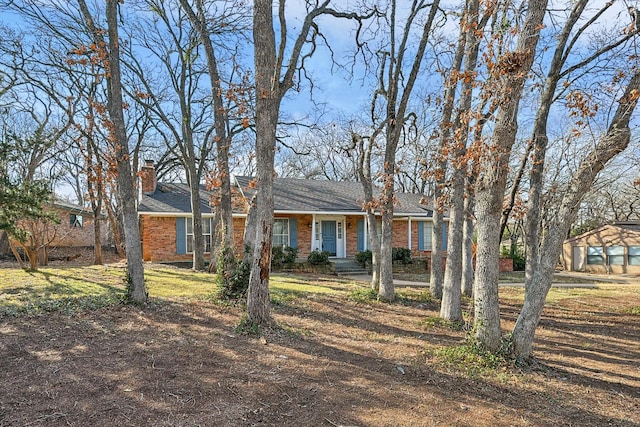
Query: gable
(607, 235)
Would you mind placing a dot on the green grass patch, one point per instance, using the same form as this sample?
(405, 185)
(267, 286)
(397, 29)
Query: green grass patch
(414, 296)
(470, 359)
(59, 289)
(363, 296)
(172, 283)
(635, 310)
(309, 285)
(438, 322)
(282, 298)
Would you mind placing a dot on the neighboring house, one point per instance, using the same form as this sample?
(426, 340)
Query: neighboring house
(613, 248)
(309, 215)
(76, 227)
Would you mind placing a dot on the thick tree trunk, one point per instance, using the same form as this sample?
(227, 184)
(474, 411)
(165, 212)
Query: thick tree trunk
(224, 253)
(451, 306)
(126, 185)
(97, 240)
(374, 247)
(267, 109)
(537, 287)
(467, 245)
(492, 183)
(436, 276)
(387, 291)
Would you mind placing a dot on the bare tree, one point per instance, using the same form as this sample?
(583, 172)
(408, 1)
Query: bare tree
(397, 75)
(275, 67)
(542, 254)
(510, 73)
(120, 145)
(224, 131)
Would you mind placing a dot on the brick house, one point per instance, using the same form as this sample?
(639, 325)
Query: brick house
(76, 228)
(308, 215)
(612, 248)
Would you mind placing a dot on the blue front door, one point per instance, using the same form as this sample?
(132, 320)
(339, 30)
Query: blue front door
(329, 237)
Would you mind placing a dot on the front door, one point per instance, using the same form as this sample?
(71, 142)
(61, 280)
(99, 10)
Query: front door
(329, 237)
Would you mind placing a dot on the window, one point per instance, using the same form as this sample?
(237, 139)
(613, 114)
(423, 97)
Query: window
(206, 234)
(75, 221)
(427, 238)
(615, 255)
(595, 255)
(339, 230)
(633, 256)
(317, 230)
(281, 232)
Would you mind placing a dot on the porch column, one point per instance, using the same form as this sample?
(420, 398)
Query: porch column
(313, 232)
(409, 239)
(366, 232)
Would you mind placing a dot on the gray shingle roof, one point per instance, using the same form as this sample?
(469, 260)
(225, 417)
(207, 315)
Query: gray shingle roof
(173, 198)
(304, 195)
(290, 195)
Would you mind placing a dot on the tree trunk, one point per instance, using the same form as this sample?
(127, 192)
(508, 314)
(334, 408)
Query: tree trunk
(267, 110)
(614, 142)
(126, 185)
(224, 213)
(492, 183)
(374, 247)
(97, 240)
(467, 244)
(436, 276)
(387, 292)
(451, 306)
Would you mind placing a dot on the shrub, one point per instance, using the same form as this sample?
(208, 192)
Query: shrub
(234, 286)
(519, 261)
(402, 255)
(283, 256)
(234, 281)
(318, 258)
(290, 255)
(363, 258)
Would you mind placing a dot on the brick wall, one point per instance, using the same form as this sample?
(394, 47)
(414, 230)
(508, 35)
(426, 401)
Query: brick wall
(159, 239)
(352, 234)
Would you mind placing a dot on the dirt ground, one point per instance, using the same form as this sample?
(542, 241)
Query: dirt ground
(334, 362)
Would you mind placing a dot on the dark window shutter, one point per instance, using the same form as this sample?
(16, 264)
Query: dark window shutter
(360, 235)
(181, 236)
(444, 236)
(293, 232)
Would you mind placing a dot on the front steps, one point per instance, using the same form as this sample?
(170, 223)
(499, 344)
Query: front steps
(348, 267)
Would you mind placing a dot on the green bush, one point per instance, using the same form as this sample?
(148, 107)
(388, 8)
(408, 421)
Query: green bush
(519, 261)
(290, 255)
(318, 258)
(234, 284)
(363, 258)
(402, 255)
(283, 256)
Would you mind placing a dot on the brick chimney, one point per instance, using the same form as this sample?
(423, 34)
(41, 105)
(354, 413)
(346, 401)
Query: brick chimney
(148, 177)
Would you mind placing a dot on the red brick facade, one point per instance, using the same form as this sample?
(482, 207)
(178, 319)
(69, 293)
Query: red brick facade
(159, 239)
(159, 236)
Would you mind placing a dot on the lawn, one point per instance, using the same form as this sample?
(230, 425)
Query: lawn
(74, 354)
